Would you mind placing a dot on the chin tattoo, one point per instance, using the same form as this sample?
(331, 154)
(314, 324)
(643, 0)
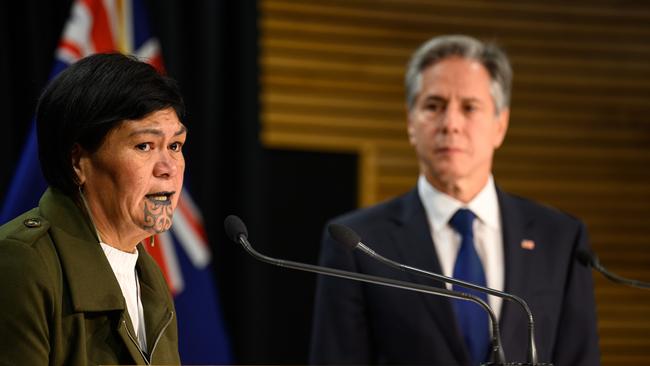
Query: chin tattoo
(157, 217)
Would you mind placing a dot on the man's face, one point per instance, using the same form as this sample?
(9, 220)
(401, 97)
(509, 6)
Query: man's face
(453, 124)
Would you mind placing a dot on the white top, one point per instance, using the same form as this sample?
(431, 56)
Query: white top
(123, 265)
(440, 207)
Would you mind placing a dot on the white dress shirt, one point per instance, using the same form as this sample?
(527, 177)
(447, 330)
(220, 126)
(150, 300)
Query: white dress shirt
(440, 207)
(123, 265)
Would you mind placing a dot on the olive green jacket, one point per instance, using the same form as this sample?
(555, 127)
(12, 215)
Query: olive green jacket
(60, 303)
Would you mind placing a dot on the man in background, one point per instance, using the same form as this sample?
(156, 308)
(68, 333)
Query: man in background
(457, 222)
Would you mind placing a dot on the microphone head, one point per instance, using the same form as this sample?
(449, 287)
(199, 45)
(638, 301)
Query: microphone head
(344, 235)
(234, 227)
(584, 257)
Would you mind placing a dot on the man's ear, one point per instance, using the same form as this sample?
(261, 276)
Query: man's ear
(77, 155)
(502, 121)
(410, 129)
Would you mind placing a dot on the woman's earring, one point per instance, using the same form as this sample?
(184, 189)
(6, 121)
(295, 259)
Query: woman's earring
(152, 241)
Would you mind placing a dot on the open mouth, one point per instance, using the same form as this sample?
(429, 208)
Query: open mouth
(160, 198)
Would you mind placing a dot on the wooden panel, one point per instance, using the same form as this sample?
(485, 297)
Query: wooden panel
(579, 138)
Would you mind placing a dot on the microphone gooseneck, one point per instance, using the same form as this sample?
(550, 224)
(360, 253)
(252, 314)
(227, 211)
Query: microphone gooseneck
(237, 232)
(591, 260)
(351, 239)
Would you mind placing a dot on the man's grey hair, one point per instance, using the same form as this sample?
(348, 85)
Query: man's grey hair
(489, 55)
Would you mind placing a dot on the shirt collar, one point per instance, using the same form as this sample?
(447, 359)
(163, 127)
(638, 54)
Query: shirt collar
(122, 263)
(440, 207)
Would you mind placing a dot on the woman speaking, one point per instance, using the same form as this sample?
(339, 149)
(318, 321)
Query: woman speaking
(77, 286)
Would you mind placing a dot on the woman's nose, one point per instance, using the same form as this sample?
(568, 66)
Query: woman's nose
(166, 166)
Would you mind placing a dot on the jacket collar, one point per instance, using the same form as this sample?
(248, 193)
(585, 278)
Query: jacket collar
(154, 295)
(92, 285)
(516, 226)
(415, 245)
(413, 232)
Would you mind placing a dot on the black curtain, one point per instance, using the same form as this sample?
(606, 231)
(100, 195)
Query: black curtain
(29, 32)
(211, 48)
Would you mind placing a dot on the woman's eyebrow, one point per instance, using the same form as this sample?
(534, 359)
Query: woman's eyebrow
(155, 131)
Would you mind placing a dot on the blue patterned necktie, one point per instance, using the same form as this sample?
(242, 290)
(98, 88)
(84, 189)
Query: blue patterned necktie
(472, 319)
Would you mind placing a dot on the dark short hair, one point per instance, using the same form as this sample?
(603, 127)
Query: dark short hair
(90, 98)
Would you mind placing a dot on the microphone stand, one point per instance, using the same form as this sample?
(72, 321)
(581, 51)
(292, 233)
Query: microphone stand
(237, 232)
(347, 236)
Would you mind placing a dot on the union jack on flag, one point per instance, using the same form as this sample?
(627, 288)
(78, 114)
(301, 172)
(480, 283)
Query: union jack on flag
(183, 253)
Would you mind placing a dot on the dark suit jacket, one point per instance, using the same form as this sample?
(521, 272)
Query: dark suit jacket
(356, 323)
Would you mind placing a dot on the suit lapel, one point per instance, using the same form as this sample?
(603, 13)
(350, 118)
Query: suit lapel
(414, 243)
(515, 224)
(412, 236)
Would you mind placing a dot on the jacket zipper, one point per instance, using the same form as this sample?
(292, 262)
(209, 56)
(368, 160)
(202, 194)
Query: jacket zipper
(153, 349)
(135, 342)
(155, 343)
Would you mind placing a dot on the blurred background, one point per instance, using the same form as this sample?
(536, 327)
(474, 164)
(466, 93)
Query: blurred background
(296, 114)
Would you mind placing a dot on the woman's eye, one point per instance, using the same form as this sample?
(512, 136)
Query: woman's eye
(176, 146)
(143, 147)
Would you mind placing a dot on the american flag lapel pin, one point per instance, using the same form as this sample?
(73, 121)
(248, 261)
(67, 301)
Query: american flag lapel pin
(527, 244)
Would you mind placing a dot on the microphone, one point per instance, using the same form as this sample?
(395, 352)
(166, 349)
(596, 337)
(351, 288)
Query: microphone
(351, 239)
(237, 232)
(591, 260)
